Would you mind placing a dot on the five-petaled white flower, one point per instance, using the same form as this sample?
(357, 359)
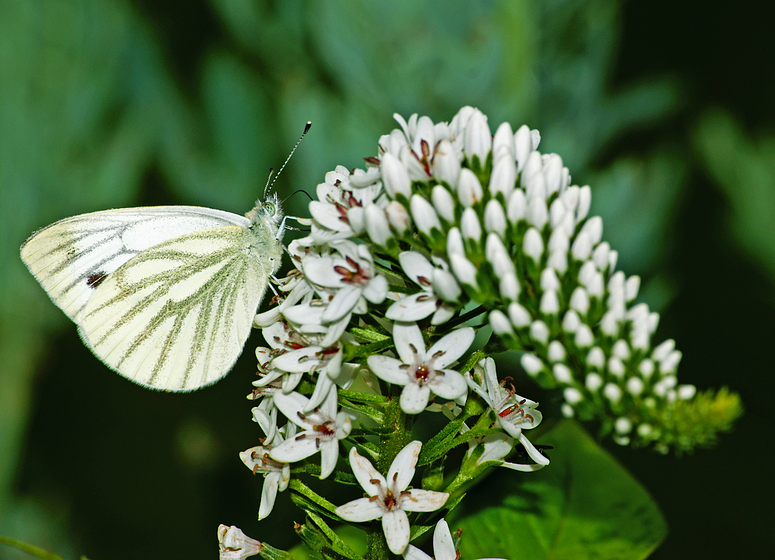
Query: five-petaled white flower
(277, 474)
(353, 276)
(389, 499)
(323, 428)
(418, 306)
(514, 413)
(443, 546)
(422, 372)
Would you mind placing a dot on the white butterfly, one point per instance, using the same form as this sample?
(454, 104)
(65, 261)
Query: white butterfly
(163, 295)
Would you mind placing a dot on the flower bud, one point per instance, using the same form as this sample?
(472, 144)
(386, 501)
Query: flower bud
(562, 374)
(503, 141)
(518, 315)
(446, 164)
(444, 203)
(585, 201)
(398, 217)
(495, 217)
(531, 364)
(516, 207)
(377, 225)
(445, 286)
(596, 358)
(477, 140)
(533, 244)
(470, 226)
(424, 215)
(469, 190)
(455, 242)
(522, 145)
(395, 177)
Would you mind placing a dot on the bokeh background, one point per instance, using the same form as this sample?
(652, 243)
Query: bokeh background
(664, 107)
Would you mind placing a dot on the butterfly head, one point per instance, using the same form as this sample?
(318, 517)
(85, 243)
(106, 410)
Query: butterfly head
(268, 215)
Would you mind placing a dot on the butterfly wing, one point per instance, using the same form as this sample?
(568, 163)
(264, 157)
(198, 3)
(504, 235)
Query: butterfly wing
(176, 316)
(72, 257)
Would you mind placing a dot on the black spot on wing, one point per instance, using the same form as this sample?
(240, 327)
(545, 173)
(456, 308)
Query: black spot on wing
(95, 279)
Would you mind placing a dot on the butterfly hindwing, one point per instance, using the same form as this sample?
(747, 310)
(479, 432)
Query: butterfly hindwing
(177, 315)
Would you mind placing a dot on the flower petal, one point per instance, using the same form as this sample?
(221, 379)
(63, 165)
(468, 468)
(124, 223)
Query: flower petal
(342, 303)
(422, 500)
(534, 454)
(376, 290)
(395, 525)
(443, 314)
(402, 469)
(329, 453)
(410, 345)
(320, 270)
(328, 215)
(414, 553)
(268, 494)
(300, 447)
(443, 545)
(451, 347)
(322, 389)
(388, 369)
(291, 405)
(416, 266)
(362, 509)
(365, 472)
(451, 385)
(302, 360)
(414, 398)
(413, 308)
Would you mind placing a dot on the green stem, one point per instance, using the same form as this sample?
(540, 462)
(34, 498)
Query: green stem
(393, 441)
(30, 549)
(377, 545)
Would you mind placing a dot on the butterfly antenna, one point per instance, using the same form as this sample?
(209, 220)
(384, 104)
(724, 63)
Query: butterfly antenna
(269, 184)
(297, 191)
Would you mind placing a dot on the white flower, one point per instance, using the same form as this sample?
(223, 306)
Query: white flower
(352, 274)
(323, 428)
(277, 475)
(514, 413)
(443, 546)
(233, 544)
(495, 447)
(389, 499)
(418, 306)
(421, 372)
(340, 208)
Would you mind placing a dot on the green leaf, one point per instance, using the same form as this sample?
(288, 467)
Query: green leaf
(30, 549)
(582, 505)
(339, 546)
(368, 334)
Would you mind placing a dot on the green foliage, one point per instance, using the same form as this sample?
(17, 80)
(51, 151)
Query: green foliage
(585, 505)
(692, 424)
(744, 167)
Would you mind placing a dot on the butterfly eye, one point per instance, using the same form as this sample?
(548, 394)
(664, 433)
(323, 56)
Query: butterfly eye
(270, 208)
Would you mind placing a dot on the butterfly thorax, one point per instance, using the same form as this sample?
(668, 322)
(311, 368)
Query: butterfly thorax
(266, 223)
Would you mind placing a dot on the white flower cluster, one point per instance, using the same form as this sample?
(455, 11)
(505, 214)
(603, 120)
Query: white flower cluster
(375, 309)
(498, 224)
(448, 229)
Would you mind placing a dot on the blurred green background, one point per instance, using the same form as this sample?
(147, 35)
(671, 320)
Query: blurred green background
(664, 108)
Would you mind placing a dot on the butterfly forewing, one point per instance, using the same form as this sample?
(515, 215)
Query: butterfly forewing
(72, 257)
(177, 315)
